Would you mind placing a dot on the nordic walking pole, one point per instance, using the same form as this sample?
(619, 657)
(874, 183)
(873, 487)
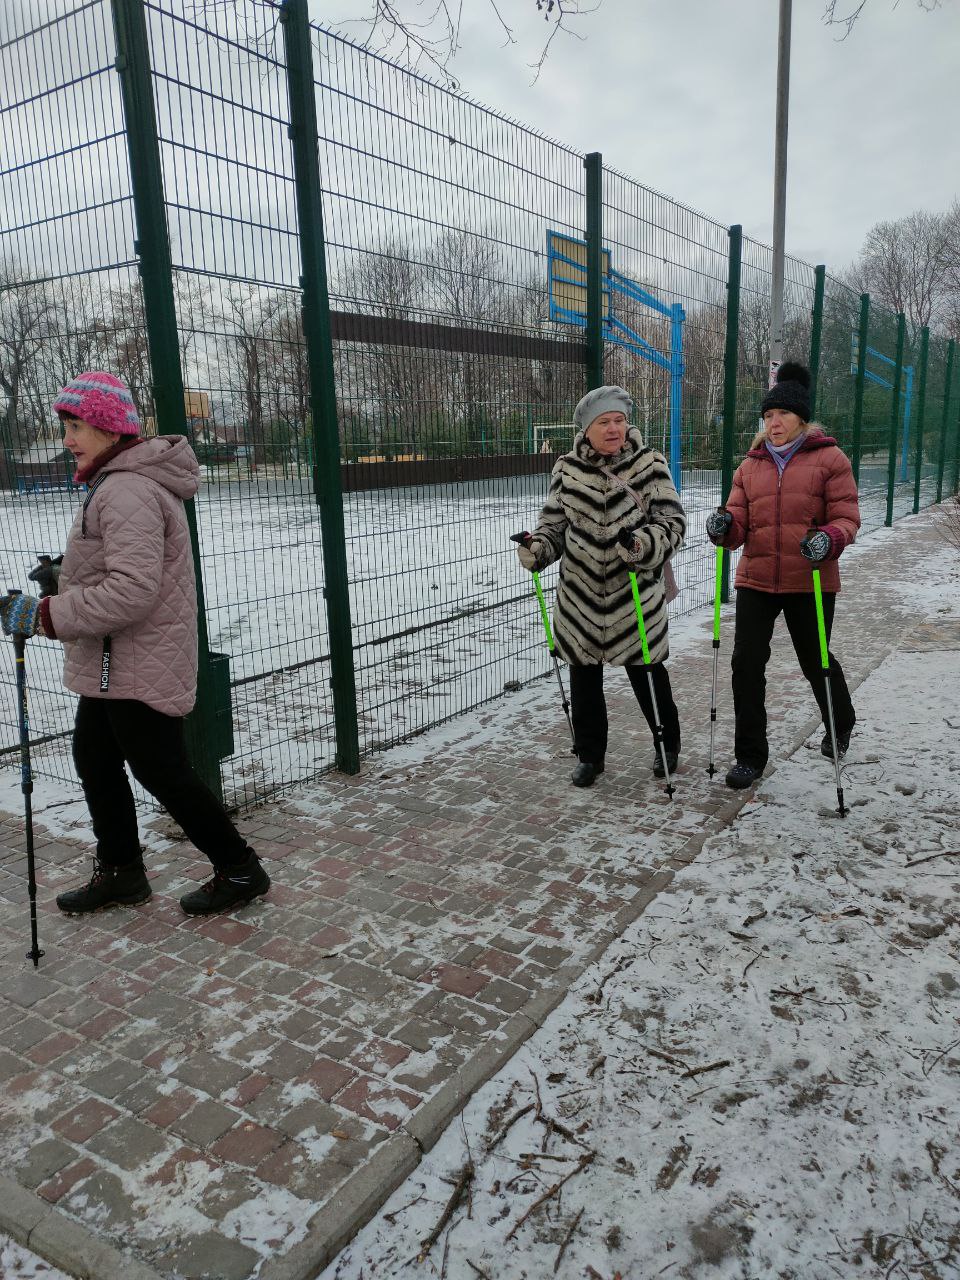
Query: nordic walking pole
(523, 539)
(711, 767)
(658, 726)
(26, 785)
(825, 663)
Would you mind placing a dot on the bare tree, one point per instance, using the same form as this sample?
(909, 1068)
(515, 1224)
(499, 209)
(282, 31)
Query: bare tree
(394, 27)
(417, 36)
(850, 11)
(26, 320)
(911, 265)
(249, 315)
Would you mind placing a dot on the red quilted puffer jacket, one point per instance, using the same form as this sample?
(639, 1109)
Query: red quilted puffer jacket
(772, 513)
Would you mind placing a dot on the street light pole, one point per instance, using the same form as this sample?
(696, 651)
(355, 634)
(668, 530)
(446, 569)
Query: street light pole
(780, 189)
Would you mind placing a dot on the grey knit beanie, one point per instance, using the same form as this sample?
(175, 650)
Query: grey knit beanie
(601, 400)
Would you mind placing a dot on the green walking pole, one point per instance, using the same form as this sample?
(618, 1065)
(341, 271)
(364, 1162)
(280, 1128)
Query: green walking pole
(711, 767)
(658, 725)
(825, 663)
(523, 539)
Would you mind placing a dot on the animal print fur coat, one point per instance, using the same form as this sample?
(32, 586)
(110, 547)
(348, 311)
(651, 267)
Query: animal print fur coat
(595, 619)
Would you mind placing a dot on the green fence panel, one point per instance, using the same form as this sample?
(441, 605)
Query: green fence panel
(456, 366)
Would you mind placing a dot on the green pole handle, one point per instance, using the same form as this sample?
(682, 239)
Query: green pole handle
(821, 629)
(543, 610)
(718, 591)
(640, 627)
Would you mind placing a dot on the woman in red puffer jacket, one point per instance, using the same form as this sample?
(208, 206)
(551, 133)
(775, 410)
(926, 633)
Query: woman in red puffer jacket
(793, 508)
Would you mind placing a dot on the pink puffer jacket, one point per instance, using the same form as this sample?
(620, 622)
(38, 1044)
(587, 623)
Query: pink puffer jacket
(127, 575)
(772, 513)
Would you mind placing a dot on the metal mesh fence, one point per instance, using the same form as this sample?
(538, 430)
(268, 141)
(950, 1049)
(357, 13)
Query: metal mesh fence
(455, 382)
(678, 258)
(436, 219)
(70, 299)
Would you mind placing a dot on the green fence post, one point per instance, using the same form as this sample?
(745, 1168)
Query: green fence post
(816, 332)
(921, 407)
(895, 416)
(731, 356)
(862, 339)
(593, 163)
(955, 482)
(319, 344)
(945, 424)
(152, 248)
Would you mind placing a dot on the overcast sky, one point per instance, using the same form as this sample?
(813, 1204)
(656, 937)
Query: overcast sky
(680, 95)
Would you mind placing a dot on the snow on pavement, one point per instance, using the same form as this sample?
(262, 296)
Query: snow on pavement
(760, 1077)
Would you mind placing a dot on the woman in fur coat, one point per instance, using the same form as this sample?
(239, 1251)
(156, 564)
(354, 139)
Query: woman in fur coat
(612, 508)
(793, 508)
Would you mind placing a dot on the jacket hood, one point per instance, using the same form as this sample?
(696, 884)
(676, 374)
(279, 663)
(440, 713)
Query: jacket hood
(168, 460)
(585, 451)
(814, 438)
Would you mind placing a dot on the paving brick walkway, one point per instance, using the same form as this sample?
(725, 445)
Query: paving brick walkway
(228, 1097)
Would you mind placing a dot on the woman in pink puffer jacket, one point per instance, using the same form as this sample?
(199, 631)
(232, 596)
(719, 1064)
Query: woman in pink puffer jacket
(126, 613)
(793, 508)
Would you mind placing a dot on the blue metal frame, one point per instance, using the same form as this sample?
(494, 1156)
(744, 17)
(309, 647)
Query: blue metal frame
(615, 330)
(906, 394)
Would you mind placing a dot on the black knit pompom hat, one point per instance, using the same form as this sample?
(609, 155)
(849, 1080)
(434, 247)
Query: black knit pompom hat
(791, 391)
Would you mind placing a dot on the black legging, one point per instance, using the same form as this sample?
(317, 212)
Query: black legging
(112, 731)
(589, 709)
(757, 611)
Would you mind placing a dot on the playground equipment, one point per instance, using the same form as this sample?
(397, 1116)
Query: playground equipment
(567, 288)
(906, 395)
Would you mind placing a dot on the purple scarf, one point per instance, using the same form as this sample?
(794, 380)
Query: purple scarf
(781, 454)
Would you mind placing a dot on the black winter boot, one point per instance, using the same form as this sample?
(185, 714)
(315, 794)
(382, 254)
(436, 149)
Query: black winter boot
(586, 774)
(743, 775)
(673, 758)
(108, 887)
(843, 744)
(230, 887)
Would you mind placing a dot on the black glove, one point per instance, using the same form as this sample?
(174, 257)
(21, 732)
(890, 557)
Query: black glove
(816, 546)
(718, 524)
(47, 575)
(628, 537)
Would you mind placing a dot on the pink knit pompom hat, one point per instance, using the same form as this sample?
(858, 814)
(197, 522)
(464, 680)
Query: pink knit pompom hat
(102, 400)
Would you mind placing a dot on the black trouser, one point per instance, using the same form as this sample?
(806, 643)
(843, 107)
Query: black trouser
(589, 710)
(757, 611)
(111, 731)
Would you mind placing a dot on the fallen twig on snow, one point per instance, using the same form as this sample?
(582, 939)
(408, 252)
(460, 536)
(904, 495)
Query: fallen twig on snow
(753, 919)
(585, 1159)
(392, 1217)
(566, 1240)
(699, 1071)
(479, 1270)
(554, 1126)
(656, 1053)
(756, 957)
(947, 853)
(595, 1066)
(936, 1154)
(464, 1178)
(594, 996)
(517, 1115)
(797, 995)
(943, 1052)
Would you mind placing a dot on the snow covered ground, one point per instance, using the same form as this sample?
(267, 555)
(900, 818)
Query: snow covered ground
(760, 1078)
(17, 1263)
(442, 613)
